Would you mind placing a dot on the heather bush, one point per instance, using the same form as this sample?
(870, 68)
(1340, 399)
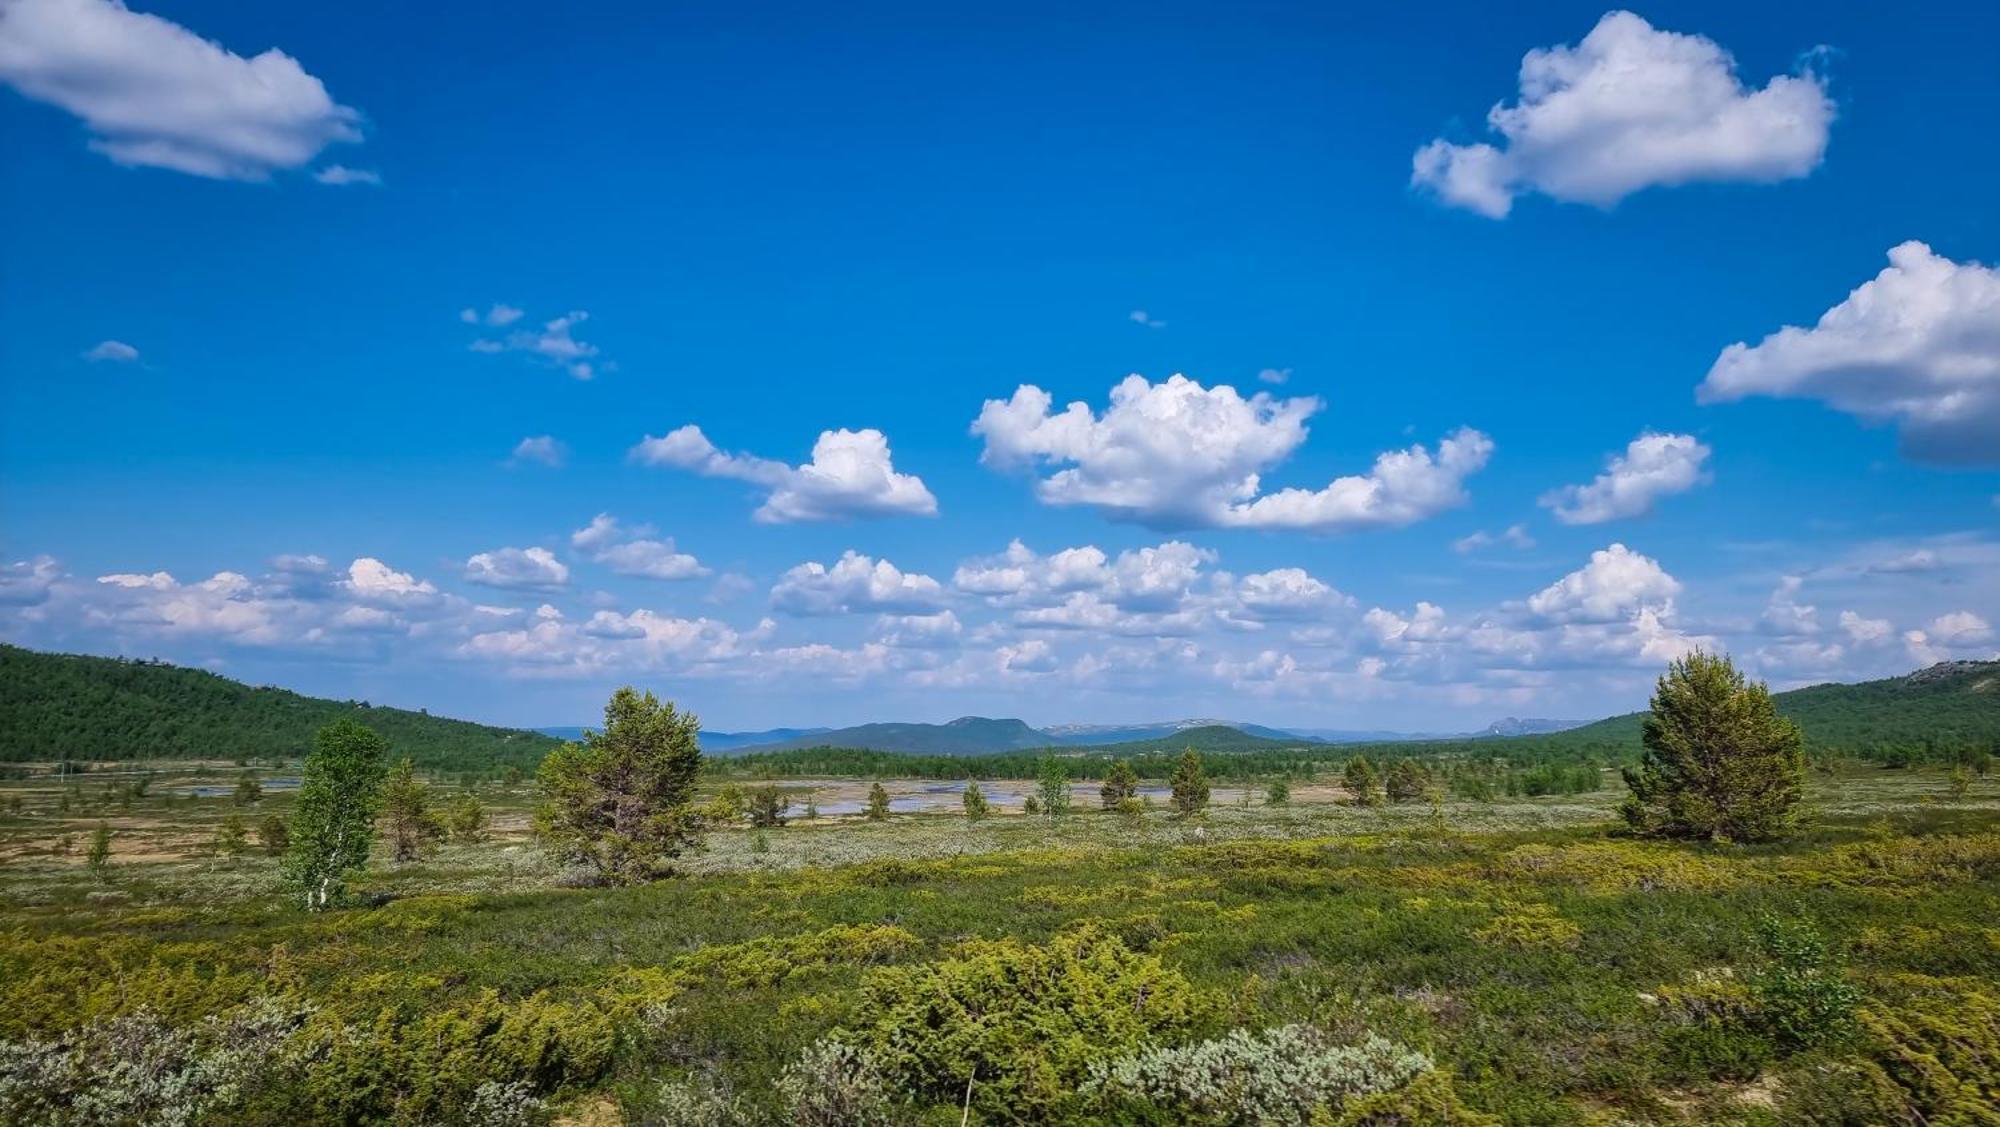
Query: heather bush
(834, 1084)
(138, 1068)
(1279, 1075)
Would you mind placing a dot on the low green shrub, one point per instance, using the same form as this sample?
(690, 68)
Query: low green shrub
(1022, 1023)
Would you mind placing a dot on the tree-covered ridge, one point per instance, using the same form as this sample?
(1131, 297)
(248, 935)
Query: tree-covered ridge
(1931, 712)
(66, 706)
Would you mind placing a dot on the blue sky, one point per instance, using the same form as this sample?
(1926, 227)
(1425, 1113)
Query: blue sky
(272, 328)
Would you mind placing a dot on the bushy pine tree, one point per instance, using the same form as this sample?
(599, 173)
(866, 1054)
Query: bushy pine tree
(1190, 785)
(1278, 793)
(975, 800)
(414, 828)
(1120, 784)
(1408, 781)
(1720, 763)
(333, 821)
(767, 806)
(619, 802)
(878, 803)
(1361, 782)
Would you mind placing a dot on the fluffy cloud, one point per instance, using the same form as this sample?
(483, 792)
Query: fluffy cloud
(541, 449)
(370, 578)
(1178, 455)
(855, 583)
(1864, 631)
(27, 582)
(1615, 583)
(634, 552)
(1515, 536)
(1960, 628)
(554, 343)
(531, 569)
(155, 94)
(1917, 346)
(1652, 466)
(850, 475)
(1785, 616)
(115, 351)
(1629, 108)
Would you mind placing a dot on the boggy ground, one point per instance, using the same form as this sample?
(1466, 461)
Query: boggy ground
(1551, 971)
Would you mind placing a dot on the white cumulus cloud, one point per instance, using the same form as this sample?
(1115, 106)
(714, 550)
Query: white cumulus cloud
(1652, 466)
(1616, 582)
(1179, 455)
(854, 584)
(1631, 107)
(540, 448)
(154, 93)
(634, 551)
(1917, 346)
(851, 474)
(534, 569)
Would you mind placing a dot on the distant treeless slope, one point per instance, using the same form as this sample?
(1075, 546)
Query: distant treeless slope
(55, 706)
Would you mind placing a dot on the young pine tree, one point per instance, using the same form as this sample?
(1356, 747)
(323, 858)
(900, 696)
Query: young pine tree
(1720, 763)
(248, 790)
(1190, 785)
(1408, 781)
(975, 800)
(619, 802)
(1052, 787)
(1360, 780)
(273, 835)
(231, 836)
(1278, 793)
(767, 806)
(99, 855)
(1121, 785)
(414, 828)
(878, 803)
(466, 819)
(333, 821)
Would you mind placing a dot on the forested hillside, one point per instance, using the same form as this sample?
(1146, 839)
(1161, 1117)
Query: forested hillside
(1946, 708)
(62, 706)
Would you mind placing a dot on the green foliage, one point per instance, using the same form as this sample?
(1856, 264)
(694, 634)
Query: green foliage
(974, 800)
(767, 806)
(1804, 999)
(414, 827)
(231, 836)
(1052, 787)
(1190, 785)
(273, 835)
(1021, 1022)
(99, 854)
(249, 791)
(1359, 779)
(1408, 781)
(1720, 762)
(1278, 793)
(333, 818)
(465, 819)
(619, 802)
(878, 803)
(1122, 783)
(100, 708)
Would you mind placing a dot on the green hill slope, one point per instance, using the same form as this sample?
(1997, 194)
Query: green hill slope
(55, 706)
(1951, 705)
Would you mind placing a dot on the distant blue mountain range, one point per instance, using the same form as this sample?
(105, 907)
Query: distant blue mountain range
(979, 735)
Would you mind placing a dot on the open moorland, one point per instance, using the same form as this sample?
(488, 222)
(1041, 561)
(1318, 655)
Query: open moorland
(1444, 961)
